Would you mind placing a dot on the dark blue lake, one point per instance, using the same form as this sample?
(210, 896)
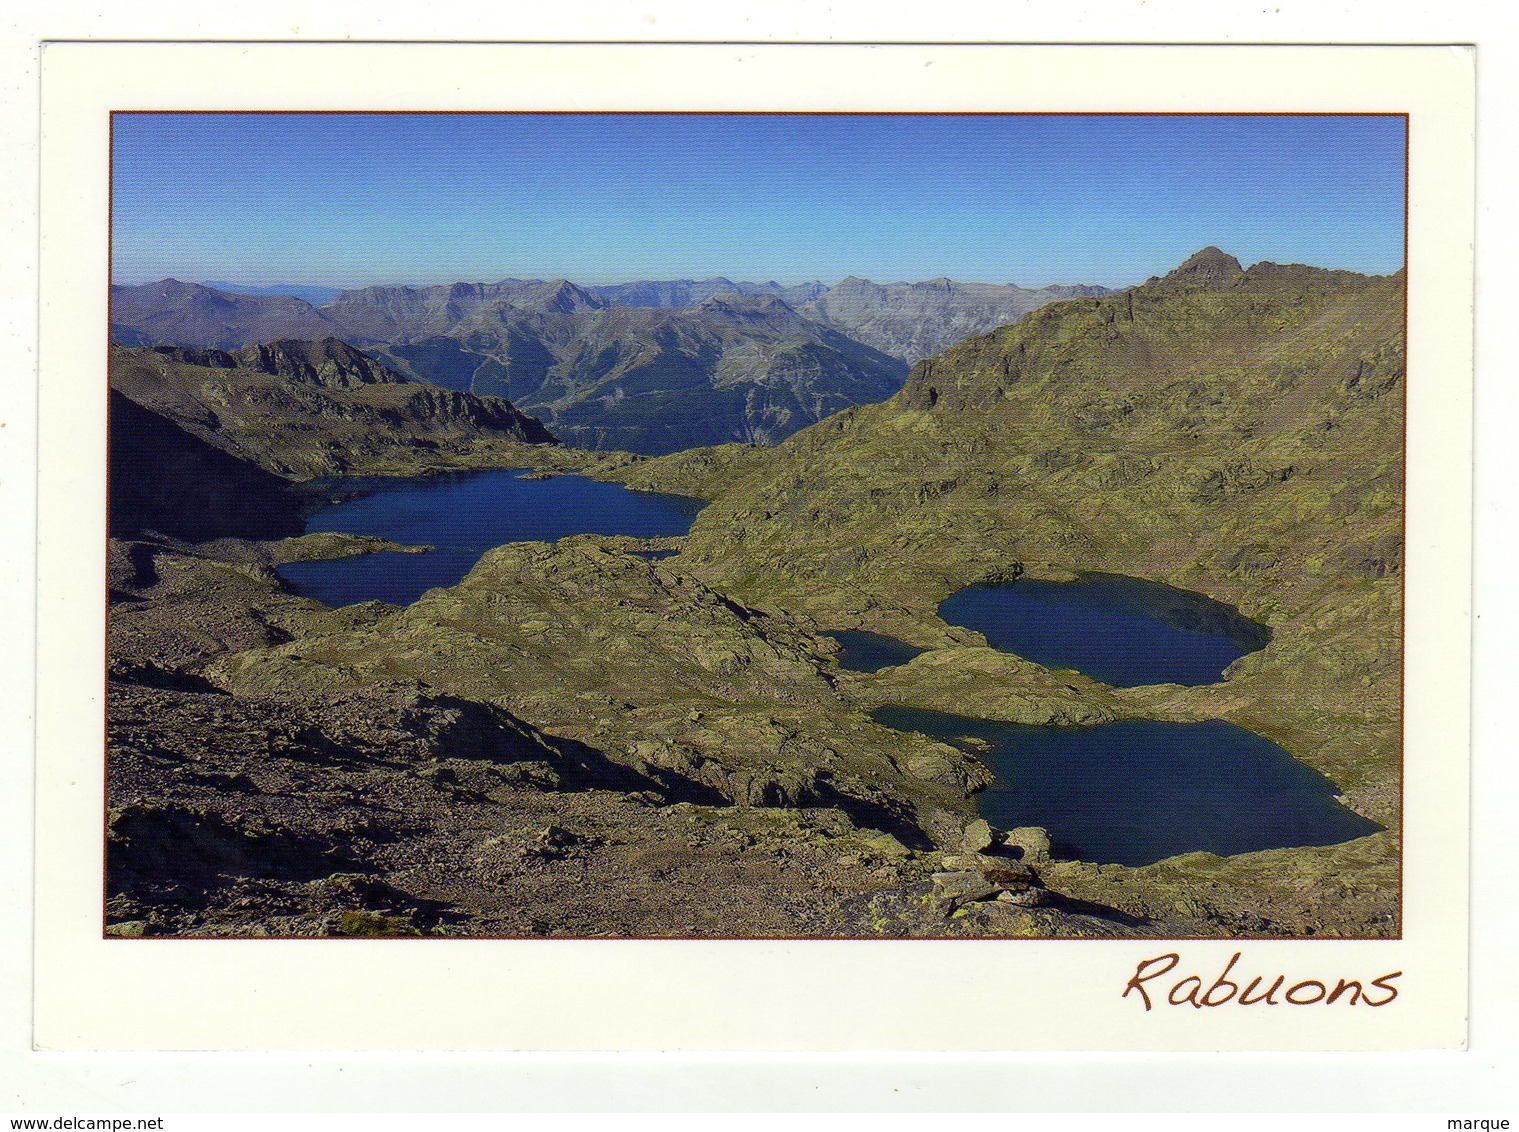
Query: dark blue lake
(1122, 631)
(463, 516)
(870, 652)
(1138, 791)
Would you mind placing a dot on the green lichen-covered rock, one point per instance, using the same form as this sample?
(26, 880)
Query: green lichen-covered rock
(983, 683)
(374, 925)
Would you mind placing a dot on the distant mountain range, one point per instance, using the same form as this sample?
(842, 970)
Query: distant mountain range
(316, 296)
(187, 314)
(648, 366)
(910, 321)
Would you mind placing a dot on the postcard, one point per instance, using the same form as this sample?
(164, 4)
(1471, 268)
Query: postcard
(754, 547)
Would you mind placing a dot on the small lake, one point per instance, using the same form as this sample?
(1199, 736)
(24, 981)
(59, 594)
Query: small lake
(1122, 631)
(862, 651)
(1137, 791)
(463, 516)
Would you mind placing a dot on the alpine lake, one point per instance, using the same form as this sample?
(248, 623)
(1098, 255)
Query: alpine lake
(1130, 792)
(463, 516)
(1134, 791)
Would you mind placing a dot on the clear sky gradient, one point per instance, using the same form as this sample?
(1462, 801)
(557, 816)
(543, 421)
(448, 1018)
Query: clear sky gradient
(350, 200)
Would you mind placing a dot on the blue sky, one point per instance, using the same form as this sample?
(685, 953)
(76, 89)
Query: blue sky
(349, 200)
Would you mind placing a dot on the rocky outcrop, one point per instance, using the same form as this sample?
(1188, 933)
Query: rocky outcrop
(328, 362)
(728, 704)
(303, 410)
(1207, 268)
(983, 683)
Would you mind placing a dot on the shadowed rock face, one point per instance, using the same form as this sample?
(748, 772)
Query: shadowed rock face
(164, 479)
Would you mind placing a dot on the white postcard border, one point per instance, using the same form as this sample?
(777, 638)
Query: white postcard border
(946, 995)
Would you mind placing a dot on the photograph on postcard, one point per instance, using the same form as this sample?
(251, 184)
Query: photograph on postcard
(756, 525)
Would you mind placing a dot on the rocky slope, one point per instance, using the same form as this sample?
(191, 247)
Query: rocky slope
(1236, 433)
(329, 362)
(303, 410)
(207, 444)
(913, 321)
(623, 751)
(573, 741)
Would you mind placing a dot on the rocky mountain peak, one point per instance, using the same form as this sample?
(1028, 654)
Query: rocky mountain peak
(765, 311)
(1211, 265)
(176, 291)
(564, 297)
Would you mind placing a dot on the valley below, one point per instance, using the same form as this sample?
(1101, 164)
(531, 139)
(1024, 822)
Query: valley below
(402, 642)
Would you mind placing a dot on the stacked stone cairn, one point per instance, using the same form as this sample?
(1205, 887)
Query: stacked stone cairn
(992, 865)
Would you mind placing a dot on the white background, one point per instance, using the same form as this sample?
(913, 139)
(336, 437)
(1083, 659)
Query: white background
(1448, 1082)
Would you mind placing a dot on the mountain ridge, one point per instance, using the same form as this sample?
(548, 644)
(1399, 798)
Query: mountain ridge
(272, 408)
(649, 366)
